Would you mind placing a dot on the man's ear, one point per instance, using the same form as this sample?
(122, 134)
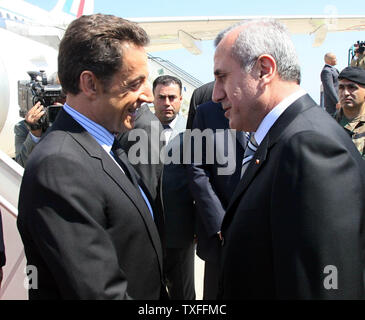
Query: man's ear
(266, 67)
(89, 84)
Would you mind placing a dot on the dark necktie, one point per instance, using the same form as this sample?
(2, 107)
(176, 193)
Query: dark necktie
(166, 126)
(249, 152)
(121, 158)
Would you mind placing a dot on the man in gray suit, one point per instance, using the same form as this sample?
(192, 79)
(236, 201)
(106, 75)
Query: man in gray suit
(329, 78)
(177, 200)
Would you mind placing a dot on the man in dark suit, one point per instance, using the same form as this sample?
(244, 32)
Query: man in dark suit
(293, 228)
(2, 251)
(329, 78)
(150, 171)
(85, 217)
(199, 96)
(212, 190)
(177, 201)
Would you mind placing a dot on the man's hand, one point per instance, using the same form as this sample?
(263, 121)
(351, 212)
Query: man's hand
(219, 234)
(33, 116)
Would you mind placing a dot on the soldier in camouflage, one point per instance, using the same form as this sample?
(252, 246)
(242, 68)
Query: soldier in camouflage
(351, 115)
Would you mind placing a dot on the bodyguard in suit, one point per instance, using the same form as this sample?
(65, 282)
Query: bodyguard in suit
(86, 219)
(329, 78)
(294, 226)
(177, 200)
(212, 190)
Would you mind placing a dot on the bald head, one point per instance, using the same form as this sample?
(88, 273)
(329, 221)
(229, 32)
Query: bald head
(330, 58)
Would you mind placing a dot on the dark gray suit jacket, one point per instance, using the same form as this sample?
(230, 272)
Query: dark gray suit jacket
(83, 223)
(329, 78)
(298, 214)
(178, 202)
(211, 190)
(150, 173)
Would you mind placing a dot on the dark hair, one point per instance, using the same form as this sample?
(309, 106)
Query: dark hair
(166, 81)
(93, 43)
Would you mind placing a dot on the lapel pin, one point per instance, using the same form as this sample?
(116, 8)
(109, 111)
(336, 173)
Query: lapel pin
(257, 161)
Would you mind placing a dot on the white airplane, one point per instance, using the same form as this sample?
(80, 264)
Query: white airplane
(38, 24)
(32, 36)
(166, 33)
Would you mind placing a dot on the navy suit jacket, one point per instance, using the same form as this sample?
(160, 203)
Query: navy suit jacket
(200, 95)
(211, 190)
(178, 202)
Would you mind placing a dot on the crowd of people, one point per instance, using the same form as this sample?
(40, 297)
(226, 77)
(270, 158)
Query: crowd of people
(97, 224)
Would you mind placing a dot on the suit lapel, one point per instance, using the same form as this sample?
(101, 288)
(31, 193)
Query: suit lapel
(274, 134)
(256, 163)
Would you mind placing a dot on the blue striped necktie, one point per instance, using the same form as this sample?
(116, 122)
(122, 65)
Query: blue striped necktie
(249, 152)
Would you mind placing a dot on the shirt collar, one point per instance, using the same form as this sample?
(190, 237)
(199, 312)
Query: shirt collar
(274, 115)
(98, 132)
(172, 124)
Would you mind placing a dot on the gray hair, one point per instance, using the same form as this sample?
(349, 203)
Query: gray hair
(265, 36)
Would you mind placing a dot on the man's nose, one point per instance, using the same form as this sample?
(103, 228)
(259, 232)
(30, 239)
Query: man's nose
(167, 101)
(218, 93)
(146, 95)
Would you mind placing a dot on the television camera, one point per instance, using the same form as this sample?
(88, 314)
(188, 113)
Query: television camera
(38, 88)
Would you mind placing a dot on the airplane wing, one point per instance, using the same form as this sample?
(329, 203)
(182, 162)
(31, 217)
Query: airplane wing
(168, 33)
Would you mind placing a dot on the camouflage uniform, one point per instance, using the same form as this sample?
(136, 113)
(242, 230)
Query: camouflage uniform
(359, 62)
(355, 128)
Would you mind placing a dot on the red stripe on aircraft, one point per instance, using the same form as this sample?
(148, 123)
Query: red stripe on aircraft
(81, 8)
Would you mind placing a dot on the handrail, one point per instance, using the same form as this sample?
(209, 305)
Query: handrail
(8, 206)
(174, 68)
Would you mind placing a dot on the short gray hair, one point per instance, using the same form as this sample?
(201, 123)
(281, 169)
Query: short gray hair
(265, 36)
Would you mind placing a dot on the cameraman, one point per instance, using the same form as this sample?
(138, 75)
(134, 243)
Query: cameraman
(28, 133)
(359, 58)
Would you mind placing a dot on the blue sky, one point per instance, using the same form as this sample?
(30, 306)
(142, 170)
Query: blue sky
(311, 59)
